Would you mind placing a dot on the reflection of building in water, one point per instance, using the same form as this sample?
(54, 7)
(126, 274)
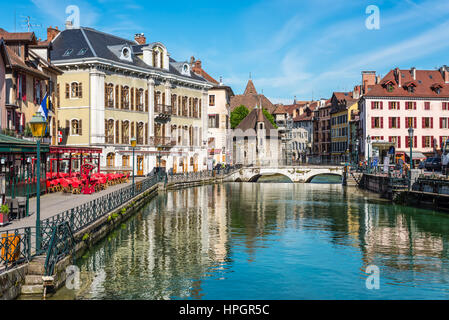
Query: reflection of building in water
(397, 235)
(169, 247)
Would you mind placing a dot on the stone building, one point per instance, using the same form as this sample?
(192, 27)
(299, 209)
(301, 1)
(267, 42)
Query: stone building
(256, 141)
(114, 89)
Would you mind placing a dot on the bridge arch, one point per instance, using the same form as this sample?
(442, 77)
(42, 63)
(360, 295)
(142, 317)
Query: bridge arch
(256, 177)
(309, 179)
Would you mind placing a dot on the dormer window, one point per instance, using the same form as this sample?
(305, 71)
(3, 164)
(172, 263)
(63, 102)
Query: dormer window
(67, 53)
(436, 87)
(185, 69)
(389, 85)
(126, 54)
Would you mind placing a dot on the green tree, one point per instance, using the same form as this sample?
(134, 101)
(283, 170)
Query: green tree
(269, 116)
(238, 115)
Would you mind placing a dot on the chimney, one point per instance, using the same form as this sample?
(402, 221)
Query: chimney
(397, 75)
(413, 73)
(68, 25)
(378, 79)
(221, 81)
(445, 73)
(198, 64)
(368, 79)
(356, 92)
(140, 38)
(52, 33)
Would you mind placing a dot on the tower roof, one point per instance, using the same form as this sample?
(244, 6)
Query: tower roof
(250, 88)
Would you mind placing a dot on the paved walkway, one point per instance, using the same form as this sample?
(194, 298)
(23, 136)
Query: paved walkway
(55, 203)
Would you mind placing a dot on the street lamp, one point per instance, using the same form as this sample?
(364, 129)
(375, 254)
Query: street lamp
(38, 125)
(368, 141)
(410, 142)
(133, 145)
(357, 152)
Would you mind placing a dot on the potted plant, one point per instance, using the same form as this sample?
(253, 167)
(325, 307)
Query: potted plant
(4, 214)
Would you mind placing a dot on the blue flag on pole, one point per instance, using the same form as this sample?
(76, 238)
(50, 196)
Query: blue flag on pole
(43, 109)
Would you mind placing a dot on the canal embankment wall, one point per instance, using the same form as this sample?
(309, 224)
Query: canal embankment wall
(13, 282)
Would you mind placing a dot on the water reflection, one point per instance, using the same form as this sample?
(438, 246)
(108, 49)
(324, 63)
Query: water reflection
(271, 241)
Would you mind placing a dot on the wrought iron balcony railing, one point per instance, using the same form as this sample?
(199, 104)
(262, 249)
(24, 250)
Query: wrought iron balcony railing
(159, 141)
(162, 109)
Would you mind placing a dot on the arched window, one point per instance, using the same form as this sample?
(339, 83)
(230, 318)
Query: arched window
(110, 159)
(125, 98)
(76, 127)
(140, 133)
(125, 161)
(125, 132)
(139, 99)
(117, 94)
(109, 131)
(109, 95)
(76, 90)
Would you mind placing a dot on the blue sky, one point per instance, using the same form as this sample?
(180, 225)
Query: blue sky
(303, 48)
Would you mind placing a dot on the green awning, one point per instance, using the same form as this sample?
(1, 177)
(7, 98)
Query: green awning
(10, 144)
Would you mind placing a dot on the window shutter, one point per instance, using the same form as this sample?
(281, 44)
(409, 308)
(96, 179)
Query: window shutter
(67, 91)
(34, 91)
(106, 102)
(106, 131)
(132, 99)
(67, 127)
(423, 141)
(415, 142)
(372, 122)
(398, 105)
(389, 105)
(423, 122)
(80, 127)
(441, 123)
(146, 133)
(390, 121)
(80, 90)
(399, 142)
(431, 123)
(381, 105)
(441, 142)
(414, 105)
(414, 122)
(121, 97)
(433, 142)
(381, 122)
(372, 105)
(407, 142)
(398, 122)
(24, 87)
(146, 100)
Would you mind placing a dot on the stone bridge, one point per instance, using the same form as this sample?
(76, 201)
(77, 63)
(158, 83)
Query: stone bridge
(295, 174)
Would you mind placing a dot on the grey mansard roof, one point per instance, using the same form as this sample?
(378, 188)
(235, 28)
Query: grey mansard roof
(88, 43)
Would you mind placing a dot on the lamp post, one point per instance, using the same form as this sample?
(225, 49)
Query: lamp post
(133, 145)
(357, 152)
(410, 142)
(38, 125)
(368, 141)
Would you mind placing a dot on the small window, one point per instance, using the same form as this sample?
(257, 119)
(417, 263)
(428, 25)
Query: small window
(125, 52)
(67, 53)
(82, 51)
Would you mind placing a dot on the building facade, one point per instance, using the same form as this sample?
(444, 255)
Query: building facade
(343, 105)
(219, 126)
(114, 90)
(404, 99)
(29, 76)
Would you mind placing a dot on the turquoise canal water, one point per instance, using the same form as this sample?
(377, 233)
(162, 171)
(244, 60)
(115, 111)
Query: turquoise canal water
(270, 241)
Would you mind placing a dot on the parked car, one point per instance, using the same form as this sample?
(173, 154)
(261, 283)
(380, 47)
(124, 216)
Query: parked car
(433, 164)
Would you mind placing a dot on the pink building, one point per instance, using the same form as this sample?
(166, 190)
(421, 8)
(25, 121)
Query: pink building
(2, 84)
(403, 99)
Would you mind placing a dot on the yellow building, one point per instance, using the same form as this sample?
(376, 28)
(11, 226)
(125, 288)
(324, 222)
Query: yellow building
(343, 104)
(114, 89)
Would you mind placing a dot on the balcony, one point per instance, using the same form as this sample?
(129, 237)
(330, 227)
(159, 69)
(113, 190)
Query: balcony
(162, 113)
(162, 141)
